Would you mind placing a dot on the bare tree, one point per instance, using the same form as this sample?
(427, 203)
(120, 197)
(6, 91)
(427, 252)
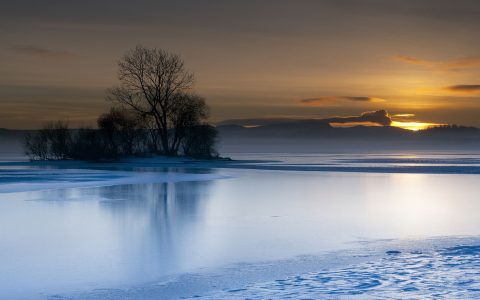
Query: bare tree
(51, 142)
(187, 112)
(36, 145)
(59, 136)
(157, 110)
(150, 81)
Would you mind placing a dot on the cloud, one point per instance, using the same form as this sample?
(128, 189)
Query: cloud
(412, 60)
(353, 124)
(251, 122)
(445, 65)
(468, 62)
(404, 115)
(464, 88)
(370, 118)
(379, 117)
(41, 52)
(333, 99)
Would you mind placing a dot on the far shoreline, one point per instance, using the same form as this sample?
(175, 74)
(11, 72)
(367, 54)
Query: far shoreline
(402, 166)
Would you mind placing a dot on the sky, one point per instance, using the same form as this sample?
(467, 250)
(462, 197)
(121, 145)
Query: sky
(419, 60)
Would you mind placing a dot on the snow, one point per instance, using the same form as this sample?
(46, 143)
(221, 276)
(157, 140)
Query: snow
(439, 268)
(433, 274)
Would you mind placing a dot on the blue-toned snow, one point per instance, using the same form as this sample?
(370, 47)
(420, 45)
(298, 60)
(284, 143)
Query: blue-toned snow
(140, 230)
(448, 273)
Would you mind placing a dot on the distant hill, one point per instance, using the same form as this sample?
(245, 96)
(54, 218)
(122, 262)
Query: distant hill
(11, 142)
(319, 136)
(12, 135)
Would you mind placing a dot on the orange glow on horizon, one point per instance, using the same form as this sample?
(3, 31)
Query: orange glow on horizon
(414, 126)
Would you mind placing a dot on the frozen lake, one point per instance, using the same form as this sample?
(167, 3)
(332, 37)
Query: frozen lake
(227, 232)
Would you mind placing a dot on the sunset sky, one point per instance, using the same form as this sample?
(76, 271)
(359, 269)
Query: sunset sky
(417, 59)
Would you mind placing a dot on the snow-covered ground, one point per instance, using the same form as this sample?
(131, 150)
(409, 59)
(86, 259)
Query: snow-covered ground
(446, 273)
(269, 227)
(439, 268)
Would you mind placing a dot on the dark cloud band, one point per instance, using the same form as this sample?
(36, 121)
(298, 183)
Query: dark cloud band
(467, 88)
(332, 99)
(41, 52)
(379, 117)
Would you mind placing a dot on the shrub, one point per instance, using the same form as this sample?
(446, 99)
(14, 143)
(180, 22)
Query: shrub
(53, 141)
(88, 144)
(200, 142)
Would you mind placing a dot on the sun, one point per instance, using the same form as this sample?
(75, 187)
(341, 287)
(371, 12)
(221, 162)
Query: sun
(414, 126)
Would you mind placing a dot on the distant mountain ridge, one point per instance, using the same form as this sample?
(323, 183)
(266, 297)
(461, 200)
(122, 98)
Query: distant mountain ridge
(312, 128)
(319, 135)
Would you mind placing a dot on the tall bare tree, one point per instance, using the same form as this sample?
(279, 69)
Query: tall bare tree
(151, 81)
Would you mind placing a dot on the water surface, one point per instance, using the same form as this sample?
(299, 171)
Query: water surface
(77, 239)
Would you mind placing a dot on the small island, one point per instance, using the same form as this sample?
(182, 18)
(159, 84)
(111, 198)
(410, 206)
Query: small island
(154, 112)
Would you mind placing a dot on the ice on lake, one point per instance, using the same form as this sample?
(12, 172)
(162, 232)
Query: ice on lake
(231, 232)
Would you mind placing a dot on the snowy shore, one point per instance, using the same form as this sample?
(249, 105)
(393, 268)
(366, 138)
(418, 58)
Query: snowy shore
(435, 268)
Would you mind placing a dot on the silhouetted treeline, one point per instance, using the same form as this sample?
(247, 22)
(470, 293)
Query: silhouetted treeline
(449, 127)
(156, 113)
(120, 134)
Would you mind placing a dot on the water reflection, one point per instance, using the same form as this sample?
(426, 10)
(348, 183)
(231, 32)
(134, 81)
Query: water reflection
(157, 222)
(59, 240)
